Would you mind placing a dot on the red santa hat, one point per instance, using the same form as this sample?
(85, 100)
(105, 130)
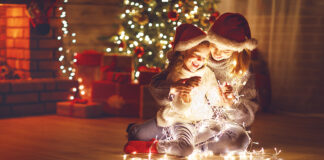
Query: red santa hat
(188, 36)
(231, 31)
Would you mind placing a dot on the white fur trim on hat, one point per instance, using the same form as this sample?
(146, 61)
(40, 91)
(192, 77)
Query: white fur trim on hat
(185, 45)
(227, 44)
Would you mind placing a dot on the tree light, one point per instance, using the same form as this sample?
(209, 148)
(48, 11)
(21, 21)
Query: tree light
(81, 87)
(137, 74)
(108, 49)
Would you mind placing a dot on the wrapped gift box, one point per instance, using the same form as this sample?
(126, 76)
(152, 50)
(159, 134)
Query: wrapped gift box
(145, 77)
(88, 58)
(88, 69)
(148, 106)
(117, 99)
(128, 100)
(80, 110)
(146, 74)
(117, 77)
(118, 62)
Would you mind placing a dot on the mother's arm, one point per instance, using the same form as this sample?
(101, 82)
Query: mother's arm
(246, 107)
(160, 88)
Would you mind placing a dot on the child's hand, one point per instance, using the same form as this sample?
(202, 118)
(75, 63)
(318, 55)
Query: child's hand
(186, 98)
(185, 86)
(193, 81)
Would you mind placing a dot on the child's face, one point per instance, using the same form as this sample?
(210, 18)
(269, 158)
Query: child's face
(196, 57)
(218, 54)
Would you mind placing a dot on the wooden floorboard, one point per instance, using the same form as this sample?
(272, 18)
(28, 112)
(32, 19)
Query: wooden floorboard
(54, 137)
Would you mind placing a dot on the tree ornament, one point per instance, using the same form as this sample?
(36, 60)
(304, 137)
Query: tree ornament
(213, 16)
(173, 15)
(141, 19)
(195, 18)
(180, 3)
(139, 51)
(204, 21)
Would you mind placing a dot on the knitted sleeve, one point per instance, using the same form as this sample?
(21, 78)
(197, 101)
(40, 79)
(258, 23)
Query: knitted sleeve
(160, 88)
(246, 105)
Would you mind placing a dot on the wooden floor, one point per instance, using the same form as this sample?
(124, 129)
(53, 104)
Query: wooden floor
(62, 138)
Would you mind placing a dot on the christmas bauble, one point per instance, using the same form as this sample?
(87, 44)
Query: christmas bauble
(139, 51)
(141, 19)
(213, 16)
(173, 15)
(204, 21)
(196, 18)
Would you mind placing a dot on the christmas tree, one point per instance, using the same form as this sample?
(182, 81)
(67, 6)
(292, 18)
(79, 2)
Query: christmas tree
(148, 27)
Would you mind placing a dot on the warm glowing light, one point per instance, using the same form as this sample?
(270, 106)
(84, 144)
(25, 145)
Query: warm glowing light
(71, 97)
(81, 87)
(74, 89)
(82, 92)
(137, 74)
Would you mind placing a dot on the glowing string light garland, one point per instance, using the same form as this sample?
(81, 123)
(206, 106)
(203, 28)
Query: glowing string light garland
(67, 50)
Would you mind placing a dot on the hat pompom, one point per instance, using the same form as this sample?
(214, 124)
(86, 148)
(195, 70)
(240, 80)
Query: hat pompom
(251, 44)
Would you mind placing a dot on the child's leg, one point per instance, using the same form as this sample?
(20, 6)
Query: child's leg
(182, 143)
(231, 139)
(145, 131)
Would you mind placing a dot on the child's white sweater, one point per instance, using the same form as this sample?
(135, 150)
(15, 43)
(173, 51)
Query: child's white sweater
(198, 109)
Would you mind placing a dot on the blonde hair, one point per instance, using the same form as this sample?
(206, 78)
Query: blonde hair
(241, 62)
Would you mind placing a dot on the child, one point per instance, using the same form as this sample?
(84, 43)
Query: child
(187, 63)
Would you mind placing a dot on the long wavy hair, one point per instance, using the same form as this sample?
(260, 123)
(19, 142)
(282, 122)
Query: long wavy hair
(241, 62)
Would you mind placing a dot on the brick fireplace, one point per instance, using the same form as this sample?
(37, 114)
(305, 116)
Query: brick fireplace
(34, 59)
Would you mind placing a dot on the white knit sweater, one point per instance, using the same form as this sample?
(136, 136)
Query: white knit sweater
(198, 109)
(243, 111)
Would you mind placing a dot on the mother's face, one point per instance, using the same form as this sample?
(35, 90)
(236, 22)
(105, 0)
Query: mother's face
(218, 54)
